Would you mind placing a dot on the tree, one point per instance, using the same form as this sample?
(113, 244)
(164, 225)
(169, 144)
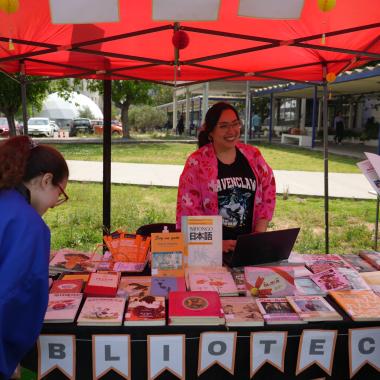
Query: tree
(86, 113)
(10, 97)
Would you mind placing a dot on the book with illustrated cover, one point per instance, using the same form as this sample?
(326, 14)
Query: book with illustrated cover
(203, 237)
(74, 276)
(278, 311)
(162, 286)
(358, 263)
(223, 283)
(102, 311)
(360, 305)
(330, 279)
(238, 276)
(354, 279)
(319, 263)
(145, 311)
(102, 284)
(134, 286)
(195, 308)
(67, 286)
(307, 287)
(241, 311)
(68, 260)
(372, 279)
(372, 257)
(275, 281)
(202, 269)
(62, 308)
(313, 308)
(369, 171)
(167, 254)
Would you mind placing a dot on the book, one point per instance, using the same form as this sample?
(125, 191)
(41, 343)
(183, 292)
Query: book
(319, 263)
(278, 311)
(372, 279)
(313, 308)
(68, 260)
(354, 279)
(307, 287)
(238, 276)
(358, 263)
(102, 284)
(145, 311)
(360, 305)
(370, 169)
(203, 237)
(241, 311)
(167, 254)
(330, 279)
(162, 286)
(75, 276)
(67, 286)
(134, 286)
(221, 282)
(62, 308)
(102, 311)
(275, 281)
(195, 308)
(371, 257)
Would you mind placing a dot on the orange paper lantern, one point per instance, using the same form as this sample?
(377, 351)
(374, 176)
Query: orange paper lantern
(9, 6)
(326, 5)
(330, 77)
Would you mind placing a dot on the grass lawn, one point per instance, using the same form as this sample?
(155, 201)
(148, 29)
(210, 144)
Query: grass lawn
(78, 223)
(279, 157)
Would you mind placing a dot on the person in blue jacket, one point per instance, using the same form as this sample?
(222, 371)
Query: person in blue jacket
(33, 179)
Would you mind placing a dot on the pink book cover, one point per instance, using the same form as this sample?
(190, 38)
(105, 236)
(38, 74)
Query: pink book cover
(331, 279)
(320, 263)
(270, 281)
(194, 304)
(67, 286)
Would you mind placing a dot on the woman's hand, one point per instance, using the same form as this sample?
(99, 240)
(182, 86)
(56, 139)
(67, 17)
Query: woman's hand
(229, 245)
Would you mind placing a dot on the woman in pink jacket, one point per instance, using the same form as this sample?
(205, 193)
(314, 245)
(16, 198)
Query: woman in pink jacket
(225, 177)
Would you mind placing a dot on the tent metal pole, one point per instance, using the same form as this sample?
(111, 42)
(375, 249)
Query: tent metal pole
(271, 101)
(314, 117)
(107, 90)
(247, 111)
(325, 160)
(23, 99)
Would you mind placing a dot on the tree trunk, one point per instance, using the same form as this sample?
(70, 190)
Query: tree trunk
(11, 124)
(124, 119)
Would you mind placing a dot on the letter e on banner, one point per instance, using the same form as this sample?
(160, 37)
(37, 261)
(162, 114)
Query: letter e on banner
(316, 347)
(56, 351)
(364, 348)
(166, 352)
(268, 347)
(217, 348)
(111, 352)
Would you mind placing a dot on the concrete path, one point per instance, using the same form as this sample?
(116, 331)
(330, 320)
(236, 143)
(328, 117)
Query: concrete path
(295, 182)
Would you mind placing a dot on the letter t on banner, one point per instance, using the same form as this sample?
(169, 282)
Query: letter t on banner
(56, 351)
(364, 347)
(267, 347)
(217, 348)
(166, 352)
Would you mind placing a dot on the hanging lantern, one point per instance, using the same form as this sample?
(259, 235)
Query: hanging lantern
(9, 6)
(180, 39)
(330, 77)
(326, 5)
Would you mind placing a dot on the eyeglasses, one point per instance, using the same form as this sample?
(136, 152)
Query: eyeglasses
(234, 125)
(62, 198)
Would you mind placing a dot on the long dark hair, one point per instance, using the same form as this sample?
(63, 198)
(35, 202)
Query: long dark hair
(21, 160)
(211, 119)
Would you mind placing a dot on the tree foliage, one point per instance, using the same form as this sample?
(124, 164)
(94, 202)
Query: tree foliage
(145, 118)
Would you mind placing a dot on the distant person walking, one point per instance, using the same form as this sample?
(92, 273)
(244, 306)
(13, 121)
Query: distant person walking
(256, 124)
(339, 128)
(180, 125)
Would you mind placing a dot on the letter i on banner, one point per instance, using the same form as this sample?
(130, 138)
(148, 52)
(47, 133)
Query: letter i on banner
(56, 351)
(111, 352)
(217, 348)
(316, 347)
(166, 352)
(364, 348)
(268, 347)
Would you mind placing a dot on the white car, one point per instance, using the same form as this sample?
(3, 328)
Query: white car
(40, 126)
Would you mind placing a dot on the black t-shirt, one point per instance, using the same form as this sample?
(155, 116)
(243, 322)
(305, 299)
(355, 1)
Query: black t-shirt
(236, 194)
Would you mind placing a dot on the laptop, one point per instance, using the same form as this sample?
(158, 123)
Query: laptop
(262, 248)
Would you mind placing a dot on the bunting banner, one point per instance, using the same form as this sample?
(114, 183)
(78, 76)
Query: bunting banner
(166, 352)
(316, 347)
(56, 351)
(111, 352)
(217, 348)
(364, 348)
(267, 347)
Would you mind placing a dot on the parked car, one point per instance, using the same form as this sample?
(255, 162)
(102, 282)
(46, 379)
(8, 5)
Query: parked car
(55, 126)
(40, 126)
(116, 128)
(4, 127)
(81, 125)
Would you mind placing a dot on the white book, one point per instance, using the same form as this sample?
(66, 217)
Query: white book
(370, 173)
(62, 308)
(221, 282)
(203, 236)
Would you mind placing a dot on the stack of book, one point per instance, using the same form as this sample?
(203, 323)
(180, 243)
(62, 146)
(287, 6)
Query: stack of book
(102, 284)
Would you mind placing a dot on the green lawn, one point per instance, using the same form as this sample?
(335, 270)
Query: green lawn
(279, 157)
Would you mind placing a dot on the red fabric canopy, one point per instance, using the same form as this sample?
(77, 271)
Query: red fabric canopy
(273, 48)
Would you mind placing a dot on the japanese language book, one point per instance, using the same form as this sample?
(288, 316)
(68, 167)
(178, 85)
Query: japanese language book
(62, 308)
(278, 311)
(313, 308)
(162, 286)
(134, 286)
(372, 279)
(241, 311)
(67, 286)
(331, 279)
(195, 308)
(275, 281)
(358, 263)
(222, 282)
(102, 284)
(360, 305)
(145, 311)
(372, 257)
(203, 238)
(102, 311)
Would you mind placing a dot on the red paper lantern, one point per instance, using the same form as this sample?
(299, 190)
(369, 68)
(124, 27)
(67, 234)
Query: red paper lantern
(180, 39)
